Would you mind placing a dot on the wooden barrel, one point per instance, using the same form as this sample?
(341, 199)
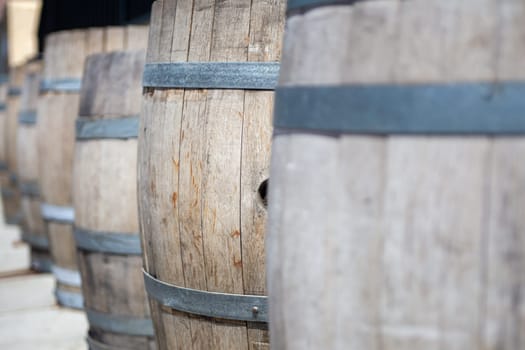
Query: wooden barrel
(4, 175)
(33, 228)
(203, 154)
(105, 202)
(64, 57)
(396, 198)
(10, 192)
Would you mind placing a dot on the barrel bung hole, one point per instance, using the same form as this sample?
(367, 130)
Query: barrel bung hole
(263, 192)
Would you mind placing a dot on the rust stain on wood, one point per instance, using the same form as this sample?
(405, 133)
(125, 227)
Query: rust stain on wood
(152, 187)
(174, 197)
(235, 234)
(237, 263)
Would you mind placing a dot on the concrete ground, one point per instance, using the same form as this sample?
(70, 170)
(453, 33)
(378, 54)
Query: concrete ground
(29, 316)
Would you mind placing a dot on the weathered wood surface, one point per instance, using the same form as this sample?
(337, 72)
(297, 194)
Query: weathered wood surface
(11, 195)
(202, 156)
(105, 193)
(28, 166)
(398, 242)
(64, 58)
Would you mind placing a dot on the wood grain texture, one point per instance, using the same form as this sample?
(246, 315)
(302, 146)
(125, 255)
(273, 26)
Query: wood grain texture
(28, 157)
(105, 192)
(64, 58)
(202, 156)
(398, 242)
(27, 142)
(12, 201)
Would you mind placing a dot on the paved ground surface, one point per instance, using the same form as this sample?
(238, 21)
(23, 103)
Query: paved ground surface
(29, 317)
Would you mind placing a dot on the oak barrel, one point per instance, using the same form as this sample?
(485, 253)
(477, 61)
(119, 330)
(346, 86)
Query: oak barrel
(10, 191)
(64, 57)
(396, 201)
(34, 231)
(4, 175)
(204, 146)
(105, 202)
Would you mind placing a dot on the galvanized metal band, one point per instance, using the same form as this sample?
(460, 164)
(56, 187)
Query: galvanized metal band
(95, 345)
(61, 85)
(212, 75)
(27, 117)
(115, 128)
(3, 166)
(108, 242)
(120, 324)
(4, 78)
(455, 109)
(57, 213)
(36, 241)
(41, 264)
(67, 276)
(15, 219)
(301, 5)
(13, 177)
(7, 192)
(69, 299)
(14, 91)
(3, 107)
(240, 307)
(29, 188)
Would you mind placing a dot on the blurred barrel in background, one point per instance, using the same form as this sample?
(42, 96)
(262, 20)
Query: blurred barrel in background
(105, 201)
(64, 58)
(34, 231)
(10, 193)
(396, 198)
(204, 147)
(4, 174)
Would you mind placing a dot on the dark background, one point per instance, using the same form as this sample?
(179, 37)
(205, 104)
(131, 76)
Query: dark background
(70, 14)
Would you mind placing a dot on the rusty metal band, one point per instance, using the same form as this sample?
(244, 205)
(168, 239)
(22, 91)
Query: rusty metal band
(67, 276)
(69, 299)
(57, 213)
(61, 85)
(239, 307)
(36, 241)
(27, 117)
(29, 188)
(212, 75)
(115, 128)
(108, 242)
(120, 324)
(418, 109)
